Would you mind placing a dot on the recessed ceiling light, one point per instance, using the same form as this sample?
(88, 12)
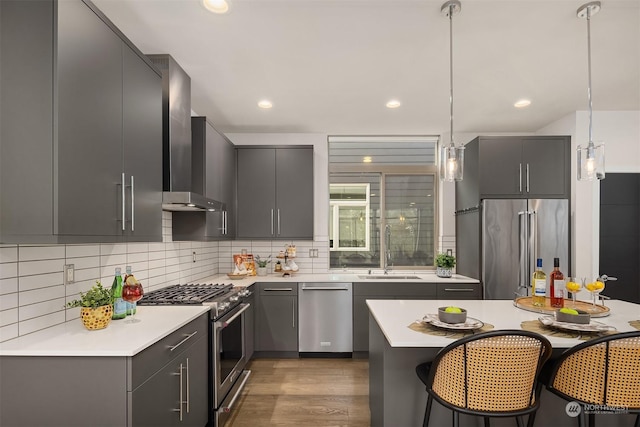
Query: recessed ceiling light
(366, 159)
(522, 103)
(216, 6)
(265, 103)
(394, 103)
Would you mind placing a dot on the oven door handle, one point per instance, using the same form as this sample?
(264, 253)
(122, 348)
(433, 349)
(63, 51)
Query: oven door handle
(222, 325)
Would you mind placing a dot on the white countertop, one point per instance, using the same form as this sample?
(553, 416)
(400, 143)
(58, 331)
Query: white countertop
(351, 277)
(118, 339)
(394, 317)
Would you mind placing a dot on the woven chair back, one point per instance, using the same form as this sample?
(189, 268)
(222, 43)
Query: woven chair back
(492, 374)
(604, 373)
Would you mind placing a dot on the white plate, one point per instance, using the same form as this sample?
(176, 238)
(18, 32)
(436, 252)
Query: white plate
(592, 326)
(469, 325)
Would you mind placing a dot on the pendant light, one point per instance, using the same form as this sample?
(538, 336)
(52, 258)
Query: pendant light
(451, 157)
(590, 158)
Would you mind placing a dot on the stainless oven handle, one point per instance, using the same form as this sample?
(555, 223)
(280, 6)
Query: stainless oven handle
(230, 405)
(228, 321)
(323, 288)
(173, 347)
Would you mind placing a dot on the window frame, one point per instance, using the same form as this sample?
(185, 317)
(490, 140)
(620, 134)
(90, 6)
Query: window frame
(334, 206)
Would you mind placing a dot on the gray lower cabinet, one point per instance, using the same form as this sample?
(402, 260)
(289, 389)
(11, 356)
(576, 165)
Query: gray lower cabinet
(213, 175)
(81, 130)
(178, 393)
(374, 290)
(275, 192)
(277, 317)
(144, 390)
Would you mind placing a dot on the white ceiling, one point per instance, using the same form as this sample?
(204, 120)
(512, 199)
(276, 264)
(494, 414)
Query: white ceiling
(329, 66)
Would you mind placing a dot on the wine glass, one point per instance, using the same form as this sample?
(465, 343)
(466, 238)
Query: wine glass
(132, 292)
(595, 288)
(574, 285)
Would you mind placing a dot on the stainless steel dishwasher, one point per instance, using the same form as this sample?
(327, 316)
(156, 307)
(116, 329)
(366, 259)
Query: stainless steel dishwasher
(325, 317)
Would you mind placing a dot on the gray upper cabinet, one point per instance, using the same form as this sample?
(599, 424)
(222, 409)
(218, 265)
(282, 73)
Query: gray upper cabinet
(81, 130)
(214, 176)
(275, 192)
(516, 167)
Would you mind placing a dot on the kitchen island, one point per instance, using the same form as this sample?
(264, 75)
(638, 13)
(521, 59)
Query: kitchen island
(396, 395)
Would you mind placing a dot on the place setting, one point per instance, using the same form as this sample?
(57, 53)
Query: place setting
(569, 323)
(451, 322)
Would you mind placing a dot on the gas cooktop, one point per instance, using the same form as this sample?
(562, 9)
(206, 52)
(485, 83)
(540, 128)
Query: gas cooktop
(191, 293)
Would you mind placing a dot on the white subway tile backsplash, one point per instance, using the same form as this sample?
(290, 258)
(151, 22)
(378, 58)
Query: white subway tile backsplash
(32, 253)
(43, 294)
(8, 332)
(38, 281)
(41, 309)
(27, 268)
(116, 260)
(76, 251)
(43, 322)
(8, 317)
(9, 301)
(133, 248)
(8, 269)
(113, 249)
(84, 262)
(8, 286)
(87, 274)
(9, 254)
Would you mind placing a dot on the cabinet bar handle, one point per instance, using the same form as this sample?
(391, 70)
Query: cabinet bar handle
(123, 202)
(293, 311)
(278, 289)
(187, 385)
(133, 204)
(224, 223)
(272, 222)
(520, 177)
(458, 290)
(173, 347)
(323, 288)
(527, 177)
(179, 373)
(278, 222)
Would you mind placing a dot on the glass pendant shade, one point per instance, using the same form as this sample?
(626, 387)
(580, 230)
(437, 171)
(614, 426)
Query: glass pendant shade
(590, 162)
(451, 163)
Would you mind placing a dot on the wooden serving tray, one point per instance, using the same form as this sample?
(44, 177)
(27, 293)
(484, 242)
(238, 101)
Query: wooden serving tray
(526, 303)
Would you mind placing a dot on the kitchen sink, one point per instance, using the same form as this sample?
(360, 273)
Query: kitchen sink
(388, 277)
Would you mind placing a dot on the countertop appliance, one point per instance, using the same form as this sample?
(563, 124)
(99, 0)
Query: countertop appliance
(502, 249)
(325, 318)
(227, 353)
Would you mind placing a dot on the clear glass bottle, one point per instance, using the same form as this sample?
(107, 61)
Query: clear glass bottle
(556, 285)
(539, 284)
(131, 306)
(119, 305)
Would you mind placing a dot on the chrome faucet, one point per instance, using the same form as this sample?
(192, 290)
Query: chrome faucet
(387, 248)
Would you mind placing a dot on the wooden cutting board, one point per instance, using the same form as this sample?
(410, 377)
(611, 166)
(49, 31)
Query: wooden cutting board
(526, 303)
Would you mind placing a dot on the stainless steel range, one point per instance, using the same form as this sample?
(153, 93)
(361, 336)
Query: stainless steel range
(227, 355)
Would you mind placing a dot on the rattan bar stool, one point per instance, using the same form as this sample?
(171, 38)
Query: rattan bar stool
(602, 371)
(492, 374)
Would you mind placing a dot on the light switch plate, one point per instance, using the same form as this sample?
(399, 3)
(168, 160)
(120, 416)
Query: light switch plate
(69, 274)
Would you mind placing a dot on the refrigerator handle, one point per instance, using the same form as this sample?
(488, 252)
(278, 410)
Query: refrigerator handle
(533, 243)
(523, 233)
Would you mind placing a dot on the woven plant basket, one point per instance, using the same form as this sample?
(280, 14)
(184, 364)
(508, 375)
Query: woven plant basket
(96, 318)
(444, 272)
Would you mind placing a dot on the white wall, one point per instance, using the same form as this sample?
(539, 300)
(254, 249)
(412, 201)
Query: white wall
(620, 132)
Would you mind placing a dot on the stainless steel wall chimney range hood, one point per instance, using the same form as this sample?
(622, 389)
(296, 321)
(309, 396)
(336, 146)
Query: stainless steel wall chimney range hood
(176, 140)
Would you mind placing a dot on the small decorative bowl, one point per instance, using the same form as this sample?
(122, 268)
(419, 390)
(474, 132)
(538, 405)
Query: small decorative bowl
(447, 317)
(237, 276)
(582, 317)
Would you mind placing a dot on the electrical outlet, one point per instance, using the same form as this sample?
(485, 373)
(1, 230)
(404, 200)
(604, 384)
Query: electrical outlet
(194, 256)
(69, 273)
(313, 253)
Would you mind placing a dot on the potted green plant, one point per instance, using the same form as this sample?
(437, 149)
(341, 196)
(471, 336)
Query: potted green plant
(262, 264)
(444, 264)
(96, 307)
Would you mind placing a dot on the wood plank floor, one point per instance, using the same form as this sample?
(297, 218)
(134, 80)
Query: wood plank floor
(305, 392)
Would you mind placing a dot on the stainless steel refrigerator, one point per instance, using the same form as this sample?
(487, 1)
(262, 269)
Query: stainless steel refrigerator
(513, 233)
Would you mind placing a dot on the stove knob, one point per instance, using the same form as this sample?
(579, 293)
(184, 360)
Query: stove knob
(234, 298)
(223, 306)
(244, 293)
